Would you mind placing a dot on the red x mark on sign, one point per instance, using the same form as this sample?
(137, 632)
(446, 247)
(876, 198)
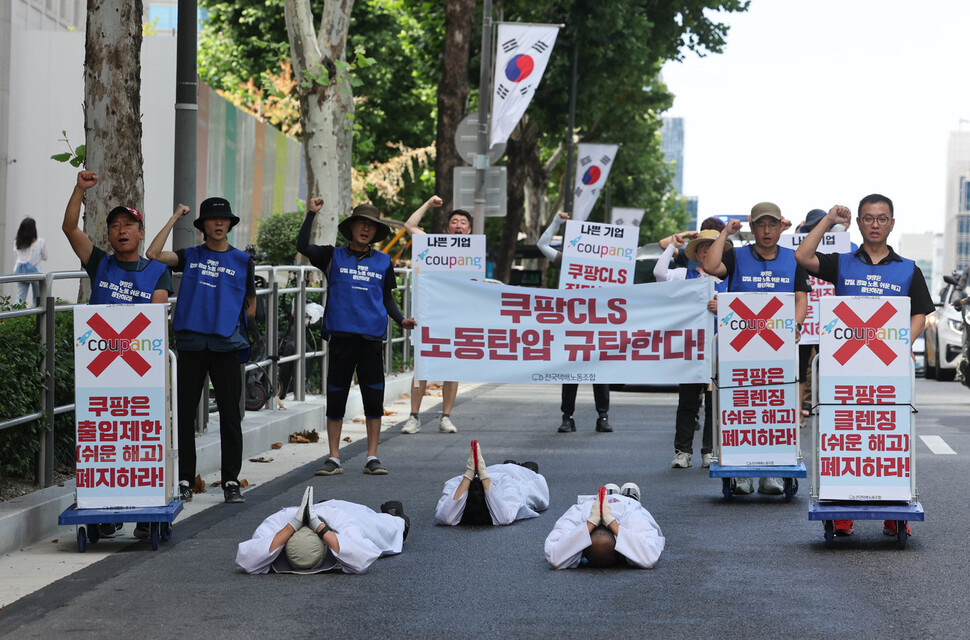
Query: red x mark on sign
(866, 331)
(122, 340)
(757, 328)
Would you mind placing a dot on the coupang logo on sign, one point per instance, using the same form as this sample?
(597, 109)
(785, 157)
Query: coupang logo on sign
(761, 324)
(111, 344)
(871, 333)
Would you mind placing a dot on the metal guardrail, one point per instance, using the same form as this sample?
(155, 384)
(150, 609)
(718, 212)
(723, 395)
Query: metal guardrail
(281, 280)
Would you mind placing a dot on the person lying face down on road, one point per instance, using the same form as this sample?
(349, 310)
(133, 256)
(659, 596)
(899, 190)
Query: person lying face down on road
(498, 494)
(326, 536)
(604, 529)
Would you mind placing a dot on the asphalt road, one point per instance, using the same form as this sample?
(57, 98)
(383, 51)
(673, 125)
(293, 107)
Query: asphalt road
(752, 568)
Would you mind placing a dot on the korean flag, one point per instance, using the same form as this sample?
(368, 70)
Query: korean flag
(592, 170)
(627, 217)
(523, 52)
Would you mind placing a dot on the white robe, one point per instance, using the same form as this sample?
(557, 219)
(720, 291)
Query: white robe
(363, 534)
(639, 540)
(515, 493)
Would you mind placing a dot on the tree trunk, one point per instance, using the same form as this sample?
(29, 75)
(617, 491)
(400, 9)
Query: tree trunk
(325, 107)
(523, 154)
(112, 111)
(452, 100)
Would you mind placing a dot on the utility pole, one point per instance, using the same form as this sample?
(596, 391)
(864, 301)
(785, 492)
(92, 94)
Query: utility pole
(484, 104)
(186, 111)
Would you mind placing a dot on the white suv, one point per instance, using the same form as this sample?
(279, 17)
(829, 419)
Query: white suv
(944, 332)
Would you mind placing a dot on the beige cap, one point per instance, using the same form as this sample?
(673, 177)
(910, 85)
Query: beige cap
(304, 549)
(763, 209)
(707, 235)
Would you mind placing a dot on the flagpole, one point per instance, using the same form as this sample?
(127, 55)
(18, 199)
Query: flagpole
(484, 103)
(568, 192)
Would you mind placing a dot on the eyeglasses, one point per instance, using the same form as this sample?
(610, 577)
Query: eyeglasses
(880, 221)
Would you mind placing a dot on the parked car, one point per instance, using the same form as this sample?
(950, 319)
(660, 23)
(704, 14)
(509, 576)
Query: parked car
(944, 331)
(919, 351)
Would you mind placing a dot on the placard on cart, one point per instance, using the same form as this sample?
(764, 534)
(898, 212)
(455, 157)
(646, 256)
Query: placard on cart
(757, 390)
(863, 442)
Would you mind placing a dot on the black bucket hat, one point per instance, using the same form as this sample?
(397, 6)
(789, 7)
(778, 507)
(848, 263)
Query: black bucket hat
(215, 208)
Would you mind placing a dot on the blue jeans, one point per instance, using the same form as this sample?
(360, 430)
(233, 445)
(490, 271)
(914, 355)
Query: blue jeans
(23, 287)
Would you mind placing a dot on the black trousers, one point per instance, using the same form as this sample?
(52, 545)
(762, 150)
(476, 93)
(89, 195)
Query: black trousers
(226, 377)
(346, 355)
(688, 408)
(601, 396)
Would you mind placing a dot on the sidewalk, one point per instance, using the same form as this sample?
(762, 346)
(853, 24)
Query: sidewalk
(37, 551)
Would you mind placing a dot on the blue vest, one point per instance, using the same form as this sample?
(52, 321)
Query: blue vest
(753, 275)
(856, 278)
(355, 294)
(212, 295)
(114, 285)
(719, 287)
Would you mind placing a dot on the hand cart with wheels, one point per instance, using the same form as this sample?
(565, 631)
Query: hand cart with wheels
(896, 501)
(159, 521)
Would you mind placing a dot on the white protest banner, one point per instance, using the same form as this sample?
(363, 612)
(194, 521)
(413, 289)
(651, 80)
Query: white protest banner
(626, 216)
(592, 170)
(459, 255)
(865, 392)
(484, 332)
(597, 255)
(832, 242)
(121, 406)
(523, 52)
(757, 381)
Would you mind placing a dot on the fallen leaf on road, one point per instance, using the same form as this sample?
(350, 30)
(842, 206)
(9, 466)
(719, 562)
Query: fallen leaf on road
(405, 395)
(310, 435)
(55, 540)
(359, 420)
(276, 445)
(388, 412)
(260, 459)
(347, 439)
(200, 485)
(296, 438)
(244, 483)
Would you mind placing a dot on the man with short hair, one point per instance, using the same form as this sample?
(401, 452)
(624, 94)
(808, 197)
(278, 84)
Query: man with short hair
(873, 270)
(329, 535)
(360, 298)
(124, 277)
(605, 528)
(460, 223)
(761, 267)
(216, 300)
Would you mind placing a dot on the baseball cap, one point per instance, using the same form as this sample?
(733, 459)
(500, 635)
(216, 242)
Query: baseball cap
(134, 213)
(763, 209)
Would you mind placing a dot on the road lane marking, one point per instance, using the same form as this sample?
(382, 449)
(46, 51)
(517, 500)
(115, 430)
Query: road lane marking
(937, 445)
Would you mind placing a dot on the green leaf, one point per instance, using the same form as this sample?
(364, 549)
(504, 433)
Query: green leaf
(61, 157)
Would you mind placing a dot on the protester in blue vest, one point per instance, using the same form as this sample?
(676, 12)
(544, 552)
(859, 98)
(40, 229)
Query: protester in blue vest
(216, 299)
(689, 401)
(124, 277)
(360, 298)
(761, 267)
(873, 270)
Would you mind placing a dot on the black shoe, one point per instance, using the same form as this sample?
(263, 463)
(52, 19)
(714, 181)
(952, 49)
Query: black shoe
(185, 492)
(142, 530)
(603, 425)
(232, 493)
(532, 466)
(108, 529)
(396, 509)
(509, 461)
(568, 425)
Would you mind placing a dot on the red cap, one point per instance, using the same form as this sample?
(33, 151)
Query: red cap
(134, 213)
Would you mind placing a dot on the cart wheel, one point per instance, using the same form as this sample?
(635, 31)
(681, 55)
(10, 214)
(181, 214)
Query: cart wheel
(901, 535)
(791, 486)
(829, 533)
(93, 534)
(727, 488)
(166, 531)
(154, 535)
(82, 540)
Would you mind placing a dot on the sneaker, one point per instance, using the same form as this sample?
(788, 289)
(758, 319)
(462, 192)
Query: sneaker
(611, 488)
(185, 492)
(630, 490)
(230, 490)
(705, 460)
(412, 425)
(396, 509)
(330, 468)
(446, 425)
(374, 468)
(681, 460)
(568, 425)
(889, 528)
(108, 529)
(843, 527)
(142, 530)
(771, 486)
(603, 425)
(743, 486)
